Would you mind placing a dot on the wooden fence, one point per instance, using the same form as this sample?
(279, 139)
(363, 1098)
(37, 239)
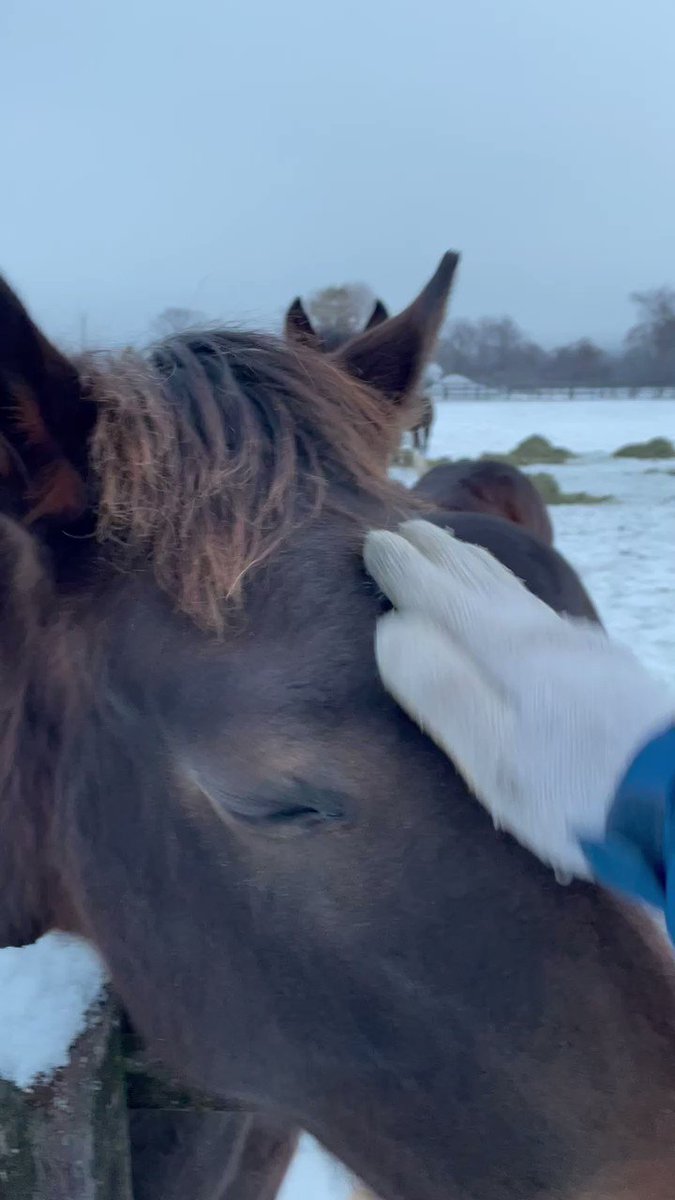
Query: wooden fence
(71, 1137)
(67, 1138)
(454, 390)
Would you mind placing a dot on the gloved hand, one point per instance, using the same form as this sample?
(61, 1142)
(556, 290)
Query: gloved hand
(541, 714)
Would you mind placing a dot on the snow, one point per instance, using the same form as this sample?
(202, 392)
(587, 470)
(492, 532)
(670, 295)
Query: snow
(625, 551)
(314, 1174)
(46, 991)
(584, 425)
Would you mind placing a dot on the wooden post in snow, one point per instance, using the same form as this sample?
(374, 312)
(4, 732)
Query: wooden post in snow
(81, 1118)
(67, 1138)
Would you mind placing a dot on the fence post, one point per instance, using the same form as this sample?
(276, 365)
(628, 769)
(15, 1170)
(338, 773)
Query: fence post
(67, 1138)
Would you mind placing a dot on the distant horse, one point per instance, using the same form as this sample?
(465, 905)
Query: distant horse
(421, 432)
(300, 329)
(487, 486)
(301, 905)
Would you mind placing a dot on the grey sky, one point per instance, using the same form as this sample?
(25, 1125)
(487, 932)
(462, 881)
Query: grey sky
(227, 155)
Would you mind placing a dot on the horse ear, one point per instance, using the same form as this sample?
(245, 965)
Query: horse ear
(379, 314)
(392, 356)
(43, 415)
(298, 327)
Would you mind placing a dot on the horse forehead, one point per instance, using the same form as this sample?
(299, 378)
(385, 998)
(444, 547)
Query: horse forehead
(301, 645)
(310, 679)
(300, 666)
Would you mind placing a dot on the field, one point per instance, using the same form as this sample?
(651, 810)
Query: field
(624, 551)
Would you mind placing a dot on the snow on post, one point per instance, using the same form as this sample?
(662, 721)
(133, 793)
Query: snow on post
(63, 1130)
(46, 992)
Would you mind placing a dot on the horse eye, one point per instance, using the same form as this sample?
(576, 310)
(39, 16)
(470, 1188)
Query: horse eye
(292, 809)
(280, 808)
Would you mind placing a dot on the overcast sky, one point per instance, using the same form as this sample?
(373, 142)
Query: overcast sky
(226, 155)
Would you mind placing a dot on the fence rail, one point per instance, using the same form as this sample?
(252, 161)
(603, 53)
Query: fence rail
(477, 391)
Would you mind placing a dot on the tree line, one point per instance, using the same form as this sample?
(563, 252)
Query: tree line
(495, 351)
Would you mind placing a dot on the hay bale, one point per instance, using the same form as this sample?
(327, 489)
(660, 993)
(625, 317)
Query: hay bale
(551, 493)
(531, 451)
(657, 447)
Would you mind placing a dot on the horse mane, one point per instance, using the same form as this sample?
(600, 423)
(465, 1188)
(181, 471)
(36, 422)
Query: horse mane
(213, 447)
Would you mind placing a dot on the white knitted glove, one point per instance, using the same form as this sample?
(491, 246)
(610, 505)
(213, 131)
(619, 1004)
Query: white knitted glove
(541, 714)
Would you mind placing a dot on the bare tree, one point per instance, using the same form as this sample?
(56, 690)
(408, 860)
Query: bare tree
(492, 350)
(650, 345)
(580, 364)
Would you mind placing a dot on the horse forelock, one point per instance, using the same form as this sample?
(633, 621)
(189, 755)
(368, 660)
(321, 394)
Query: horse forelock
(212, 449)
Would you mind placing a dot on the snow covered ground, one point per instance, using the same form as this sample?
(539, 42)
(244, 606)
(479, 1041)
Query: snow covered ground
(625, 553)
(584, 426)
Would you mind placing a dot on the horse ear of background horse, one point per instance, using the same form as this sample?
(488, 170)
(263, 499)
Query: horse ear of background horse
(379, 314)
(392, 356)
(299, 328)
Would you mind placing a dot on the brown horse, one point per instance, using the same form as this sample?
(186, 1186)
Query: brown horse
(299, 329)
(300, 904)
(487, 486)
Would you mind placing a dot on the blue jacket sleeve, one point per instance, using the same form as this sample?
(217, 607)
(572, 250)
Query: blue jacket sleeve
(637, 855)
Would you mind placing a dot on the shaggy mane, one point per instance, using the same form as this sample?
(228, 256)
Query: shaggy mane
(210, 450)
